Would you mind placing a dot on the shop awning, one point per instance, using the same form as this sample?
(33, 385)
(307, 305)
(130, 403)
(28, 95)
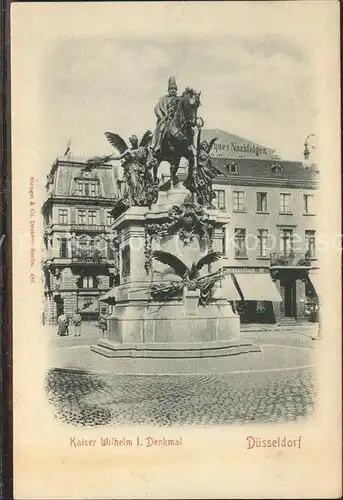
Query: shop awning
(314, 278)
(258, 287)
(228, 289)
(109, 296)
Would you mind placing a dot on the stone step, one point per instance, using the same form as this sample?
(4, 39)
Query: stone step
(121, 351)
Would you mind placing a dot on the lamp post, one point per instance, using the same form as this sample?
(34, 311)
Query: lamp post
(307, 151)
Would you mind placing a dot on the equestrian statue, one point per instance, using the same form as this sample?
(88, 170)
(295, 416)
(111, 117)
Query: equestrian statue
(174, 134)
(172, 140)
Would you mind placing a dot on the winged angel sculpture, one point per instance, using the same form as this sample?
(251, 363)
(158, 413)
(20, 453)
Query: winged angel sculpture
(190, 276)
(139, 187)
(205, 173)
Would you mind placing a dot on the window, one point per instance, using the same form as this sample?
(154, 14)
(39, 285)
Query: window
(63, 248)
(262, 205)
(87, 188)
(286, 241)
(111, 254)
(92, 217)
(82, 243)
(240, 243)
(99, 244)
(63, 216)
(93, 189)
(309, 204)
(285, 203)
(238, 201)
(88, 282)
(219, 200)
(277, 169)
(310, 243)
(110, 219)
(80, 190)
(262, 236)
(232, 167)
(81, 216)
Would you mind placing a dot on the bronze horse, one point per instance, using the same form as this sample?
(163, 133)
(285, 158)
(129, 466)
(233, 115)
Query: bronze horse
(177, 140)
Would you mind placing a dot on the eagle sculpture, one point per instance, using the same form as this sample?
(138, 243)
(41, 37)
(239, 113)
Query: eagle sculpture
(190, 276)
(181, 269)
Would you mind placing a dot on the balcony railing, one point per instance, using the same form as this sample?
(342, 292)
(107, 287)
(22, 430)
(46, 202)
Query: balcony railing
(88, 255)
(291, 260)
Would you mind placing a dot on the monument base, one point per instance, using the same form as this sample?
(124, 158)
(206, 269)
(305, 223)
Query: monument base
(178, 329)
(178, 325)
(176, 350)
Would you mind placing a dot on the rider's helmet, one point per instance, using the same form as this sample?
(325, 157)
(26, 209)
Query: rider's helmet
(172, 87)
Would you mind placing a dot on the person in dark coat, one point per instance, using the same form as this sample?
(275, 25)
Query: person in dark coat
(62, 325)
(103, 323)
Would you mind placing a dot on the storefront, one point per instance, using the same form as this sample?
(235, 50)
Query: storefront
(261, 297)
(257, 295)
(298, 293)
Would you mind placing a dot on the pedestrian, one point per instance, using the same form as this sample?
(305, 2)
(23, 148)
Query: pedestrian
(62, 325)
(76, 321)
(103, 323)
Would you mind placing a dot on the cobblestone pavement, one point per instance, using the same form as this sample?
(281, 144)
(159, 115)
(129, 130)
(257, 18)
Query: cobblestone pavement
(86, 389)
(88, 399)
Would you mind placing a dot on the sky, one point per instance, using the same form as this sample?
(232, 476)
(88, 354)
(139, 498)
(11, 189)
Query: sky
(259, 86)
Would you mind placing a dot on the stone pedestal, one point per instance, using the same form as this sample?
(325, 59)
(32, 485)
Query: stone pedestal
(179, 325)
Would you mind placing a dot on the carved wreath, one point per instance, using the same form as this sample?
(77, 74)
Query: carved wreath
(188, 221)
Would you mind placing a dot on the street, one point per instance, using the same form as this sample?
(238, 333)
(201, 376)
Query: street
(276, 385)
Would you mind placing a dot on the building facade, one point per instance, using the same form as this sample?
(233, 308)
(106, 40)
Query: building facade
(272, 232)
(269, 245)
(80, 262)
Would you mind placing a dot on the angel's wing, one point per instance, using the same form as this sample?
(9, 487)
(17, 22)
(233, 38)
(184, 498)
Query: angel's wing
(146, 138)
(171, 260)
(209, 258)
(116, 141)
(212, 143)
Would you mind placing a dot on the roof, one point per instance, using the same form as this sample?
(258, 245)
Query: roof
(257, 170)
(66, 173)
(74, 162)
(258, 173)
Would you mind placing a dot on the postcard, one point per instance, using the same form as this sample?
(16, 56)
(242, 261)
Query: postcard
(176, 250)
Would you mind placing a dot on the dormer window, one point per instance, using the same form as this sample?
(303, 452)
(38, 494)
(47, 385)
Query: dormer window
(277, 169)
(232, 167)
(87, 188)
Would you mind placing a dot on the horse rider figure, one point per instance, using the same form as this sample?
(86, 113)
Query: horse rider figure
(164, 111)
